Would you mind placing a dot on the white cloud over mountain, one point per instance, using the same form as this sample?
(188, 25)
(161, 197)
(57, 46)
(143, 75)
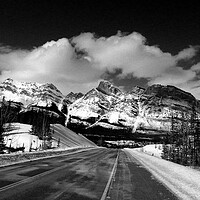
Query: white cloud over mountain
(77, 64)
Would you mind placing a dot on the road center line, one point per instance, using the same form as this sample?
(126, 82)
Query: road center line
(104, 195)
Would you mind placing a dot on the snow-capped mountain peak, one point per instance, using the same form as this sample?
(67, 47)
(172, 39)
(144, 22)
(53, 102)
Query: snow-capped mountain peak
(30, 92)
(109, 89)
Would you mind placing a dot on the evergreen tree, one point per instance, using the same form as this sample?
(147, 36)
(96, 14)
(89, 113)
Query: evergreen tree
(41, 126)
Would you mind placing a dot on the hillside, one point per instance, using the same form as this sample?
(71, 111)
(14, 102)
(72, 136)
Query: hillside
(68, 138)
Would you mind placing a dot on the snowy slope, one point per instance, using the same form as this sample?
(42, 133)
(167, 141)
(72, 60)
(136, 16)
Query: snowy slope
(68, 138)
(153, 149)
(19, 136)
(181, 180)
(106, 106)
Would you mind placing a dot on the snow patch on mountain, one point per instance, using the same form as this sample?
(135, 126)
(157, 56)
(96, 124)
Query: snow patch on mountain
(147, 111)
(143, 111)
(105, 106)
(30, 93)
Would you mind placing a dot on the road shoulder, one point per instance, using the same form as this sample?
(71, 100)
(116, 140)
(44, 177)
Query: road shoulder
(134, 182)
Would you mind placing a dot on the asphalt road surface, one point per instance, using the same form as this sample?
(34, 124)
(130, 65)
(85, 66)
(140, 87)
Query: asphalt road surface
(133, 182)
(82, 175)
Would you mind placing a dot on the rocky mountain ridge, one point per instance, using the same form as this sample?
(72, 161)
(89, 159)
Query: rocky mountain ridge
(30, 93)
(72, 97)
(107, 108)
(140, 111)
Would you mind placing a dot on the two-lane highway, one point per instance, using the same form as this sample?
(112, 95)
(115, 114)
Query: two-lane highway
(91, 174)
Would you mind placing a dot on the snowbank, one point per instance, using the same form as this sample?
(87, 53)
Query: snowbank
(153, 150)
(181, 180)
(8, 159)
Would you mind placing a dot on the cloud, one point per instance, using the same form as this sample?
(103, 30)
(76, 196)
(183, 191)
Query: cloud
(132, 55)
(54, 62)
(196, 67)
(174, 76)
(126, 52)
(77, 64)
(187, 53)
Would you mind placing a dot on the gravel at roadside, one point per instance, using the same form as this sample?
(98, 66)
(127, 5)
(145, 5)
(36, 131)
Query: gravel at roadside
(9, 159)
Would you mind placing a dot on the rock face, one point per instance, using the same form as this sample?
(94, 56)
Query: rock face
(32, 99)
(107, 108)
(161, 106)
(144, 112)
(107, 88)
(71, 97)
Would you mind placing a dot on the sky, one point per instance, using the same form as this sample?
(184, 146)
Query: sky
(75, 44)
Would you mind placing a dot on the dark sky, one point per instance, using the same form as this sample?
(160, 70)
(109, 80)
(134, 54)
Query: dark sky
(173, 25)
(170, 25)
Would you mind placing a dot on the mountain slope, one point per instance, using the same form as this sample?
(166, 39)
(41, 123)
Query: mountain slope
(30, 93)
(144, 112)
(71, 97)
(105, 106)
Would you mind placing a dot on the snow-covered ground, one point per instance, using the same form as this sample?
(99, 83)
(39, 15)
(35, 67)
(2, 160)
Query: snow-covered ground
(153, 149)
(68, 138)
(181, 180)
(23, 140)
(20, 136)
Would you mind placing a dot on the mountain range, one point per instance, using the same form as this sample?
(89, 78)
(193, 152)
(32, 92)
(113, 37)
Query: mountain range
(30, 93)
(108, 109)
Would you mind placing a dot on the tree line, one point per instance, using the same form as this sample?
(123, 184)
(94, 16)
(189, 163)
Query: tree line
(182, 143)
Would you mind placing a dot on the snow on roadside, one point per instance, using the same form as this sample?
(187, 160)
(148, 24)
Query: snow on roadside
(9, 159)
(153, 149)
(181, 180)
